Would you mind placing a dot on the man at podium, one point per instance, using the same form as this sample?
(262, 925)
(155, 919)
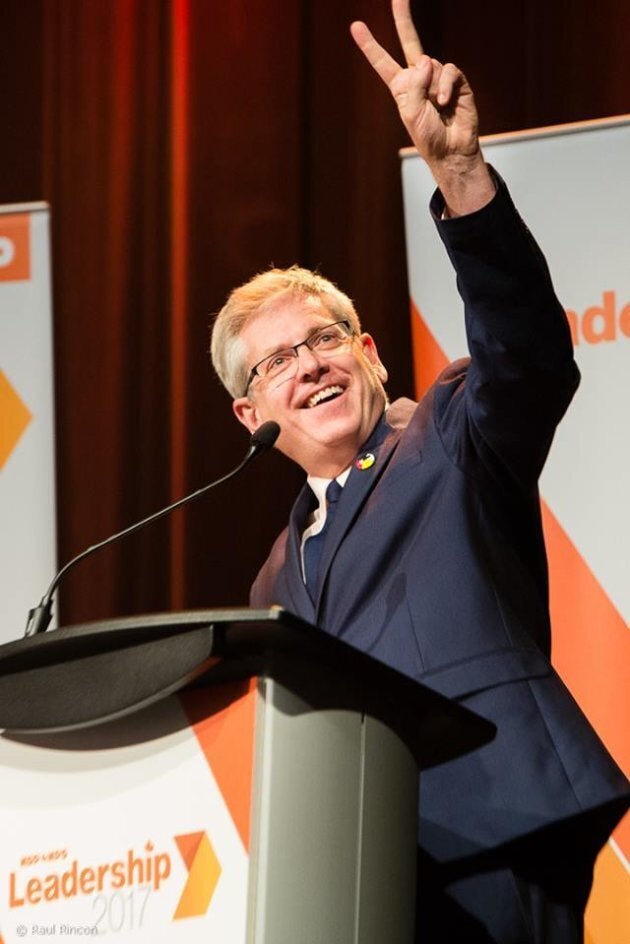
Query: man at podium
(417, 537)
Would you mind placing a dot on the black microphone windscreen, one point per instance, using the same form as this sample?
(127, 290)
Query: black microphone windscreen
(265, 436)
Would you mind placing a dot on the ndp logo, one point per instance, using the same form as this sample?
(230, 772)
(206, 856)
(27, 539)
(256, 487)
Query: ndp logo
(605, 322)
(15, 251)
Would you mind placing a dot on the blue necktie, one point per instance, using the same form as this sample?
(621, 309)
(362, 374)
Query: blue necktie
(315, 545)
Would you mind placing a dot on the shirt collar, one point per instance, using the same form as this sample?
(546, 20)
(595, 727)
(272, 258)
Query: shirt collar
(319, 485)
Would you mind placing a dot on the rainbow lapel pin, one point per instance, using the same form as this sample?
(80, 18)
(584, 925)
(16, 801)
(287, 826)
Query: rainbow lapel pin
(366, 461)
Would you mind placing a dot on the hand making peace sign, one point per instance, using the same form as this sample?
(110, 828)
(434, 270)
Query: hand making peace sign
(438, 109)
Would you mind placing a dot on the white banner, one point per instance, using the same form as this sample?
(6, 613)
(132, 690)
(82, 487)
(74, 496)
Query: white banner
(27, 474)
(124, 832)
(571, 185)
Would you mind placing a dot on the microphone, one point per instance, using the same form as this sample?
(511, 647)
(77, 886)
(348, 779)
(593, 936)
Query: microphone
(262, 439)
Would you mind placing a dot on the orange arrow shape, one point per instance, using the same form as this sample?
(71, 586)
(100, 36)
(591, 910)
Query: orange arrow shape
(14, 418)
(204, 871)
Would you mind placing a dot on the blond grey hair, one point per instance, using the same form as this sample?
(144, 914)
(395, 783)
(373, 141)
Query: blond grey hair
(249, 299)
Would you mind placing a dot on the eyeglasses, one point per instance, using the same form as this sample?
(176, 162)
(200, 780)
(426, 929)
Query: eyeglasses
(282, 365)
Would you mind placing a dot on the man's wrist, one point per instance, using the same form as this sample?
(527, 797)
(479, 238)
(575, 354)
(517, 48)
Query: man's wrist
(465, 183)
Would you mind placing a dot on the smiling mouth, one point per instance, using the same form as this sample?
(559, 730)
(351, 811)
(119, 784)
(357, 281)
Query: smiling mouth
(324, 396)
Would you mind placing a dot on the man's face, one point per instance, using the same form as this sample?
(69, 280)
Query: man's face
(322, 434)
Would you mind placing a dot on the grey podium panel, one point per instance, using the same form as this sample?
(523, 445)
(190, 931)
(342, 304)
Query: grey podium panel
(333, 838)
(387, 889)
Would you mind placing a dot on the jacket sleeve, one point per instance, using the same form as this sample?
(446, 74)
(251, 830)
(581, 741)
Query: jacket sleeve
(522, 374)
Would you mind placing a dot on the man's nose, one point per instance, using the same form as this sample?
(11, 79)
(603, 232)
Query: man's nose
(309, 364)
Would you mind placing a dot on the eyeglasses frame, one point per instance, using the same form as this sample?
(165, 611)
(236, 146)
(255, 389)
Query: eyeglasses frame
(294, 347)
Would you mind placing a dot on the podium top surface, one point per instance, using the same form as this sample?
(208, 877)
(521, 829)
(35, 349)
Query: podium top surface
(88, 674)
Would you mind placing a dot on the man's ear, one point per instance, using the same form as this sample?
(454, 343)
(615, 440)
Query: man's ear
(368, 346)
(246, 413)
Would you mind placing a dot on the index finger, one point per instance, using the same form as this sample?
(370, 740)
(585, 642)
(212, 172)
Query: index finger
(407, 33)
(379, 58)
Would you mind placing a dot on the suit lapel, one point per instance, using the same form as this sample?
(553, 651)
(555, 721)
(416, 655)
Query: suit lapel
(358, 487)
(295, 587)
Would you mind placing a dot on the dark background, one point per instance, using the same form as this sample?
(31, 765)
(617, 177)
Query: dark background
(185, 145)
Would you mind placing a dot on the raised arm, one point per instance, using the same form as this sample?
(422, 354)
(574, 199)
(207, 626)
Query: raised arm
(437, 108)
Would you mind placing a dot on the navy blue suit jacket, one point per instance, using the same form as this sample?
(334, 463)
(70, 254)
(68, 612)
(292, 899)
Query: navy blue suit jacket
(435, 561)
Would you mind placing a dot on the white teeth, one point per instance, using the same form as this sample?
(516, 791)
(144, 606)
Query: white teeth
(323, 395)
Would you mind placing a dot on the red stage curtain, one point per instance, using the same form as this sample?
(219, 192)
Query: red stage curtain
(183, 146)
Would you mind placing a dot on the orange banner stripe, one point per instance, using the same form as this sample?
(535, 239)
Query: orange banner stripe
(223, 720)
(591, 642)
(428, 357)
(607, 917)
(591, 648)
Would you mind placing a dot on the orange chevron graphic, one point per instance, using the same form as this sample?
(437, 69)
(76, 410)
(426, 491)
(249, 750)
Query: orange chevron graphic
(204, 871)
(14, 418)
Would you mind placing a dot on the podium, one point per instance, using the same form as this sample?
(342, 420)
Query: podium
(213, 776)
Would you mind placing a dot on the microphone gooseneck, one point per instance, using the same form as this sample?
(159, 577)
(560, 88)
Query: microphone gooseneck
(40, 616)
